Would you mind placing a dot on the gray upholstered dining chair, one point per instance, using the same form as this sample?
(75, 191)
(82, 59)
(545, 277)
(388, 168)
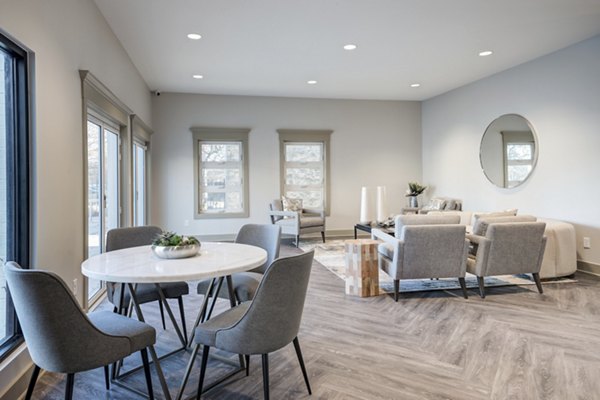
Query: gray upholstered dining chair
(504, 247)
(424, 246)
(261, 326)
(267, 237)
(122, 238)
(61, 338)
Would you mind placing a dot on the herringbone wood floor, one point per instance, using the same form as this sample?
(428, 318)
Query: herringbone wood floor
(515, 344)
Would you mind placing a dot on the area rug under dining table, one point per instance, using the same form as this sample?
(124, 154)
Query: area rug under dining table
(332, 256)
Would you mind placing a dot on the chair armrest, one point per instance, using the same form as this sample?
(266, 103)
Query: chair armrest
(293, 214)
(381, 235)
(315, 211)
(475, 238)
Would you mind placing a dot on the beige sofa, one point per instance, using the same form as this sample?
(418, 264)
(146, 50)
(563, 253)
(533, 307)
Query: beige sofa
(560, 256)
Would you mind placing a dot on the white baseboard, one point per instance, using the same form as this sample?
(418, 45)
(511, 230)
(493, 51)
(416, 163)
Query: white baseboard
(588, 267)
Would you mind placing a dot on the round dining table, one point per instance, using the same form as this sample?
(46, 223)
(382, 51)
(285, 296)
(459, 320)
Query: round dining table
(136, 265)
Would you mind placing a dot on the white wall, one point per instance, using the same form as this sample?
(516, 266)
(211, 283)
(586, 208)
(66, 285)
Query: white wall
(560, 95)
(66, 36)
(373, 143)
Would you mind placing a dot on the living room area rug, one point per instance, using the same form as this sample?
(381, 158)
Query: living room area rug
(332, 256)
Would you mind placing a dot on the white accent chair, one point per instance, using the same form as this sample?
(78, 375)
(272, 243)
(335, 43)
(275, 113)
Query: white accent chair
(297, 223)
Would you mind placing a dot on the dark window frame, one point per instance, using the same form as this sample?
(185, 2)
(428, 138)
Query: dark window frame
(19, 133)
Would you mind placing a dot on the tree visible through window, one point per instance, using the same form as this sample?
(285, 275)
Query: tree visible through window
(221, 170)
(304, 163)
(519, 162)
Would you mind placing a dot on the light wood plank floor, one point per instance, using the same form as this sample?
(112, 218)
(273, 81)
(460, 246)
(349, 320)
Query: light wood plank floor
(515, 344)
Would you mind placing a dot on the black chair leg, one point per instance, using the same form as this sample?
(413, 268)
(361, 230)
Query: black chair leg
(32, 381)
(247, 360)
(144, 354)
(323, 236)
(480, 282)
(70, 384)
(205, 351)
(297, 240)
(301, 360)
(463, 286)
(265, 368)
(162, 314)
(106, 378)
(396, 289)
(538, 282)
(182, 313)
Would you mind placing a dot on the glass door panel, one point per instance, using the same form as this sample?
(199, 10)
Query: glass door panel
(139, 184)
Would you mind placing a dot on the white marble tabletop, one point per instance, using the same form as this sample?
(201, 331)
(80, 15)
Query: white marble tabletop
(140, 265)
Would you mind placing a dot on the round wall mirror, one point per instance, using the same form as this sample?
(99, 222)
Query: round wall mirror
(508, 151)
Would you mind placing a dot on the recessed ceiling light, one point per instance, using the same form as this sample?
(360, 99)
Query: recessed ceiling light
(197, 76)
(311, 82)
(350, 47)
(485, 53)
(194, 36)
(415, 84)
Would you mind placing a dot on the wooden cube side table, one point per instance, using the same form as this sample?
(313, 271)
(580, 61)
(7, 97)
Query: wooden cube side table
(362, 269)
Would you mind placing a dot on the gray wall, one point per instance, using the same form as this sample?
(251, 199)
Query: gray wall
(560, 95)
(373, 143)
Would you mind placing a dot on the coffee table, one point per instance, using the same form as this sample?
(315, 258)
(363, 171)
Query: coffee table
(369, 227)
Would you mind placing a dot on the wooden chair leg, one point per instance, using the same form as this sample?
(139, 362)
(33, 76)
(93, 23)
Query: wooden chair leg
(32, 381)
(70, 384)
(463, 286)
(538, 282)
(396, 289)
(265, 368)
(301, 360)
(162, 314)
(205, 351)
(480, 282)
(247, 361)
(182, 313)
(106, 378)
(144, 353)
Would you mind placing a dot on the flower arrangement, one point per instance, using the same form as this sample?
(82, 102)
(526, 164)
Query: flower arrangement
(415, 189)
(170, 239)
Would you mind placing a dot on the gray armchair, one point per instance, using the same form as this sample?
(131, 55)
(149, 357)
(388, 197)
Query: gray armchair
(267, 237)
(503, 247)
(424, 247)
(297, 223)
(123, 238)
(61, 338)
(267, 323)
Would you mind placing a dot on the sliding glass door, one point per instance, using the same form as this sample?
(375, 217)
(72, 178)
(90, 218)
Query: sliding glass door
(103, 208)
(139, 184)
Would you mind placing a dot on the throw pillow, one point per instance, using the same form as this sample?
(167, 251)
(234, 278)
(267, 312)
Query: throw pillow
(435, 204)
(291, 204)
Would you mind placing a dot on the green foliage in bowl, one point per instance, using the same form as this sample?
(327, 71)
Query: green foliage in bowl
(169, 239)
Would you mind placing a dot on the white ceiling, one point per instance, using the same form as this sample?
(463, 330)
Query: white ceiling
(272, 47)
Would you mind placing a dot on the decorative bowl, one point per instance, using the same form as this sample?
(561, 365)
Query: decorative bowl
(173, 252)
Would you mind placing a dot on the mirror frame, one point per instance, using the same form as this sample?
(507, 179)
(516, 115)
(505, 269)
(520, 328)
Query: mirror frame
(535, 153)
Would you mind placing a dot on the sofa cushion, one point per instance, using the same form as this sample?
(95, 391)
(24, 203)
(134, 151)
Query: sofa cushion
(305, 222)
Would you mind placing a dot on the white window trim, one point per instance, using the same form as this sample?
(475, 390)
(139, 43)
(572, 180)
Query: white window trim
(307, 136)
(206, 134)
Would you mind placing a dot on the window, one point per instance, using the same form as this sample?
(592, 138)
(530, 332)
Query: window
(220, 172)
(103, 205)
(15, 133)
(139, 184)
(304, 159)
(519, 152)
